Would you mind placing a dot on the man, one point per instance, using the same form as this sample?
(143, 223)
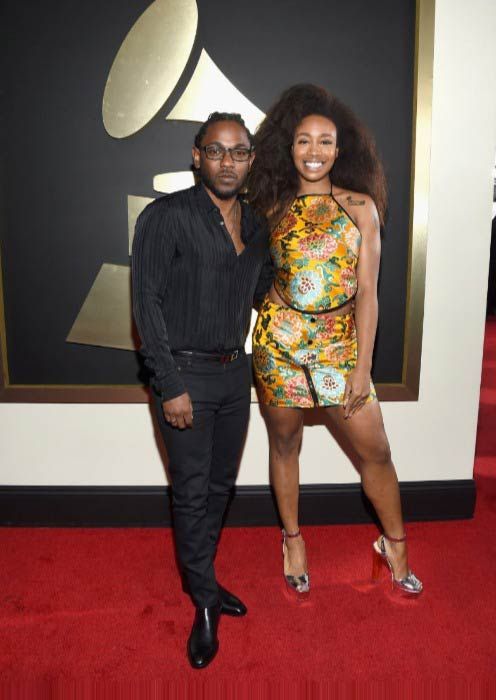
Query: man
(200, 259)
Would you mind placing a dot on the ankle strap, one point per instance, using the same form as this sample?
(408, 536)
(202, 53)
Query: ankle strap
(395, 539)
(291, 534)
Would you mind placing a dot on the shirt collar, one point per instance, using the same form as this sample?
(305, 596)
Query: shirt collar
(249, 224)
(205, 201)
(203, 198)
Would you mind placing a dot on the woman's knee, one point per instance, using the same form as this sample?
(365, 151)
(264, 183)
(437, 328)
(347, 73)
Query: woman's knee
(379, 452)
(285, 440)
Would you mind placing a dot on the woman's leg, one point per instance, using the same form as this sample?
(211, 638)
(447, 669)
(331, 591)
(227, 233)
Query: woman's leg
(285, 429)
(365, 432)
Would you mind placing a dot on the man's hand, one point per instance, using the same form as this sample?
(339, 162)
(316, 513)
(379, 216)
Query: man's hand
(179, 411)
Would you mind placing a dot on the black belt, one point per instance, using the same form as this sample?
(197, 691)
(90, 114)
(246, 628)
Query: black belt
(229, 356)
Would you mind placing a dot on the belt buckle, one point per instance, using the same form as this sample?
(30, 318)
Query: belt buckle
(230, 358)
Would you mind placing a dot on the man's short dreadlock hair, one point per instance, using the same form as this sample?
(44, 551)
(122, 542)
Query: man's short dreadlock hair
(221, 117)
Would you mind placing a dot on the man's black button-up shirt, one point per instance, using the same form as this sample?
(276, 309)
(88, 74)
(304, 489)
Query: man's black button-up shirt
(191, 291)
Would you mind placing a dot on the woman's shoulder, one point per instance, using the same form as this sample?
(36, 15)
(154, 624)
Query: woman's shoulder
(350, 198)
(358, 205)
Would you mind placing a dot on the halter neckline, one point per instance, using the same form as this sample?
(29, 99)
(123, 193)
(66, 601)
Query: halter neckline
(317, 194)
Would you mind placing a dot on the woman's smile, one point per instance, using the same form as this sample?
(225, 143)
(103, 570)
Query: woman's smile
(313, 165)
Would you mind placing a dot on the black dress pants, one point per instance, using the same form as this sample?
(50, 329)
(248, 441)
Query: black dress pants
(203, 463)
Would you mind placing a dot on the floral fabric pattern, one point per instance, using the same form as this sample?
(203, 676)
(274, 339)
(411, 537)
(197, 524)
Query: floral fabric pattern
(318, 247)
(303, 360)
(315, 251)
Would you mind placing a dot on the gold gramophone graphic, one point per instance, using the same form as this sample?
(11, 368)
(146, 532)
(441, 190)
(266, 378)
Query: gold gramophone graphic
(145, 71)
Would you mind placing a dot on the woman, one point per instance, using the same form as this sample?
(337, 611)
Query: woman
(318, 180)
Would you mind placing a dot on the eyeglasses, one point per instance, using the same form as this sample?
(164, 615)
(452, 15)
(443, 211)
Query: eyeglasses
(215, 151)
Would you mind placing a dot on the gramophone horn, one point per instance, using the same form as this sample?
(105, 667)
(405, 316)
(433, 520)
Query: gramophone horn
(208, 91)
(148, 65)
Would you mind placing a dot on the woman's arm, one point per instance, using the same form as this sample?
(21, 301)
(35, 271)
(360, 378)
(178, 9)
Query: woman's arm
(362, 209)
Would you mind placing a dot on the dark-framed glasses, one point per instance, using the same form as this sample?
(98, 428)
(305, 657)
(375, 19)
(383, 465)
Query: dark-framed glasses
(215, 151)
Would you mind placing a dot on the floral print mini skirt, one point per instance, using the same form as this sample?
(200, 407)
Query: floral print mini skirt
(302, 360)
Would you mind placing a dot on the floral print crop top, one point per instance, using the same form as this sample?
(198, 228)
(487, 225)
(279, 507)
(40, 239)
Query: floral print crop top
(315, 253)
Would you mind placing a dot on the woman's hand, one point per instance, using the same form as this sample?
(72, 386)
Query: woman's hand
(356, 391)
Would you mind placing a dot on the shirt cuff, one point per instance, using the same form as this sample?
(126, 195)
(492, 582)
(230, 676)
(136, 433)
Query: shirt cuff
(169, 388)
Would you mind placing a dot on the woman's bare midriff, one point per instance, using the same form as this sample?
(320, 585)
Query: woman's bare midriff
(339, 311)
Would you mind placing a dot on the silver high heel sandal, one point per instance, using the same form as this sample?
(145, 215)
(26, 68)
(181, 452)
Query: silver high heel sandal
(297, 585)
(410, 585)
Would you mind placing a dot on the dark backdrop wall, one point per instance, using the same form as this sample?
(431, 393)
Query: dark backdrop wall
(66, 181)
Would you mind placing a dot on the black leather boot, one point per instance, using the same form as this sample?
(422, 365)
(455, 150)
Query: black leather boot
(230, 604)
(203, 643)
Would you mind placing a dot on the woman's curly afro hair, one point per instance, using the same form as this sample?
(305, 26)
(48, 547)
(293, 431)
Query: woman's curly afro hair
(273, 180)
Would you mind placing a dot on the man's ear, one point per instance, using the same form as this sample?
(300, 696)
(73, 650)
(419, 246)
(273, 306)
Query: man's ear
(195, 154)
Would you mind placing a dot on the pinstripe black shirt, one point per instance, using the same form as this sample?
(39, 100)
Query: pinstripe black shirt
(191, 291)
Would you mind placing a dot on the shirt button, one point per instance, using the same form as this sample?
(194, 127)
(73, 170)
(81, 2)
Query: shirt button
(312, 320)
(310, 342)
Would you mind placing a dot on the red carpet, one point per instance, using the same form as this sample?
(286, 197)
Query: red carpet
(107, 604)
